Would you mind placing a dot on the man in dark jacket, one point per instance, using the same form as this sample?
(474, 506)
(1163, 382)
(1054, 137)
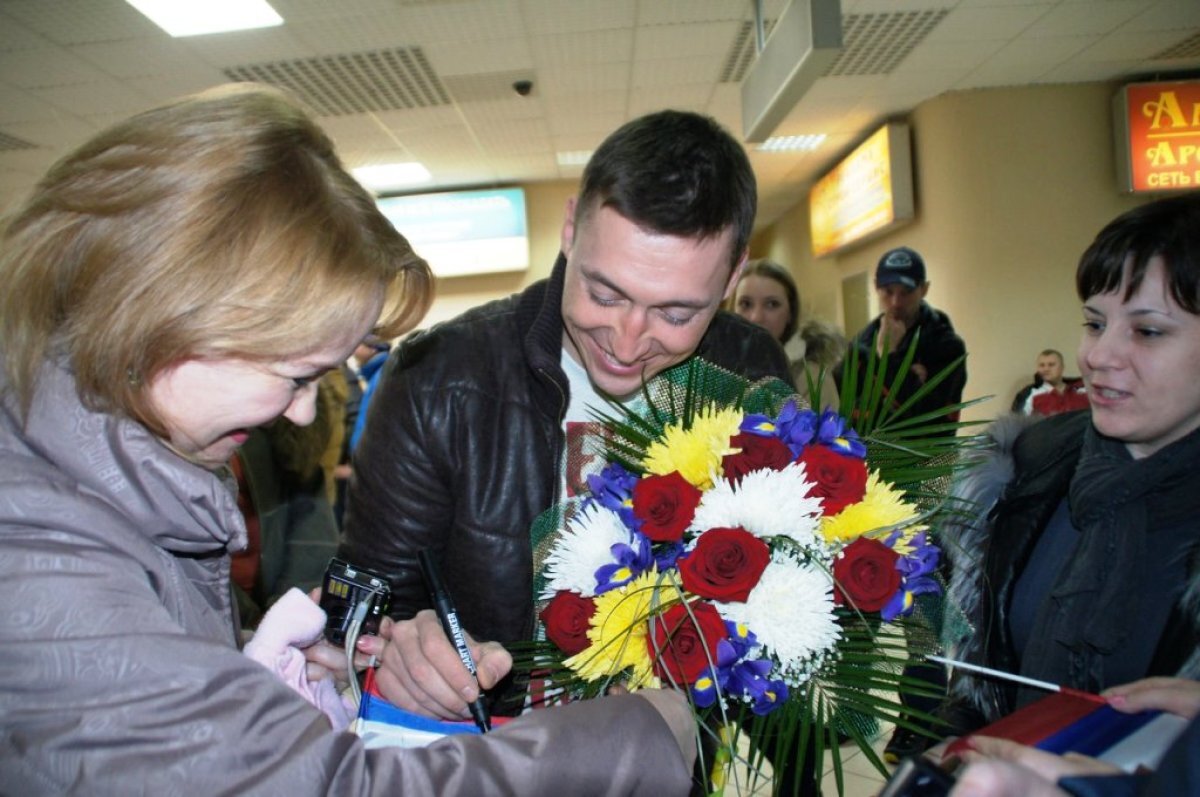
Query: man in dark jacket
(473, 426)
(901, 286)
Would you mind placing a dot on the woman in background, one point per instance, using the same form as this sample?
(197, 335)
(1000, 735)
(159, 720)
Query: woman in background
(766, 295)
(1082, 567)
(181, 278)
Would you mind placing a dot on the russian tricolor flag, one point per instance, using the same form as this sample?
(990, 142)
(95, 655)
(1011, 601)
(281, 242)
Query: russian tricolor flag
(1066, 722)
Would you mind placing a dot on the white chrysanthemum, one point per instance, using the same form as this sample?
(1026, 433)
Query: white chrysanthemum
(585, 545)
(766, 503)
(791, 613)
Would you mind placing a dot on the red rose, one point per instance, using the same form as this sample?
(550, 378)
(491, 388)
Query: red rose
(665, 505)
(758, 453)
(682, 648)
(841, 480)
(865, 575)
(566, 620)
(725, 564)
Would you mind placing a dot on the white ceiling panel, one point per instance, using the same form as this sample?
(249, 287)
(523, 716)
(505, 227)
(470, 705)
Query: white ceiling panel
(45, 66)
(477, 20)
(692, 97)
(1168, 16)
(705, 38)
(466, 58)
(332, 35)
(557, 17)
(19, 105)
(66, 22)
(572, 49)
(246, 47)
(675, 71)
(985, 23)
(1086, 17)
(69, 66)
(142, 57)
(84, 99)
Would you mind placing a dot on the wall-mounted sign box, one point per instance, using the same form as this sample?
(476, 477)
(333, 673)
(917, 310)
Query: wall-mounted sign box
(1157, 129)
(461, 233)
(868, 193)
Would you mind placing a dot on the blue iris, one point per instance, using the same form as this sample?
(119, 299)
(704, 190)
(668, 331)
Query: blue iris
(736, 675)
(834, 432)
(612, 488)
(796, 427)
(631, 561)
(917, 573)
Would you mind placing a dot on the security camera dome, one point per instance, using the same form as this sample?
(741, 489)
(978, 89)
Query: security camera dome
(523, 87)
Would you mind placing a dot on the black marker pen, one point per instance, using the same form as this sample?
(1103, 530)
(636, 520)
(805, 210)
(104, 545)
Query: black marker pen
(449, 617)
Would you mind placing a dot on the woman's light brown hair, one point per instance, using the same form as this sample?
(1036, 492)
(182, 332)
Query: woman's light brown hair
(222, 224)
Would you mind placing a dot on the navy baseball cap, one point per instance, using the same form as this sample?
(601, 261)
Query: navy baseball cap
(900, 266)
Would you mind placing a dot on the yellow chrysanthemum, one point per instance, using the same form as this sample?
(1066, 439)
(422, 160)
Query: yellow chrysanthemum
(696, 453)
(881, 507)
(618, 634)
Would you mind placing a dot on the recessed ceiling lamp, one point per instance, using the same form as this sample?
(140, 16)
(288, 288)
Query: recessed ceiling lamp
(577, 158)
(390, 176)
(196, 17)
(792, 143)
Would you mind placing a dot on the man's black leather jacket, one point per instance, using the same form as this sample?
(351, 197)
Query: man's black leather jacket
(461, 452)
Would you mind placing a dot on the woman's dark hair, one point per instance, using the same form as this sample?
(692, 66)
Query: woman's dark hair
(772, 270)
(677, 173)
(1167, 228)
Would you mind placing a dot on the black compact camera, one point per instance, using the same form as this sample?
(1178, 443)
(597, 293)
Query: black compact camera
(918, 777)
(350, 591)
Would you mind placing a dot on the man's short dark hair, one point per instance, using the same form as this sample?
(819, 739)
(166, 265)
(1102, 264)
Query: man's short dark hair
(676, 173)
(1055, 352)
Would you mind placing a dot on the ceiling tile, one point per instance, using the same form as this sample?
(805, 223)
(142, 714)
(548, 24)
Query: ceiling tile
(470, 58)
(556, 17)
(1073, 18)
(470, 21)
(573, 49)
(81, 21)
(144, 57)
(974, 24)
(45, 66)
(109, 96)
(673, 71)
(707, 38)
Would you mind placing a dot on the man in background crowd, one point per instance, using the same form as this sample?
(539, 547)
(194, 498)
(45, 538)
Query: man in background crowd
(1050, 392)
(901, 286)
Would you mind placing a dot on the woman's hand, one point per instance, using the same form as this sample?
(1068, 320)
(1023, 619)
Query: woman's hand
(1177, 695)
(1049, 766)
(326, 660)
(1001, 768)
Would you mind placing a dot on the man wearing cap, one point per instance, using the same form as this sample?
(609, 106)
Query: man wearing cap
(901, 286)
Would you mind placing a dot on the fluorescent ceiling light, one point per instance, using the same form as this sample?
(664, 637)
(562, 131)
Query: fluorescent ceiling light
(577, 158)
(792, 143)
(196, 17)
(389, 176)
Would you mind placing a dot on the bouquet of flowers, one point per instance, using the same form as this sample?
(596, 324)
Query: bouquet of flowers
(740, 547)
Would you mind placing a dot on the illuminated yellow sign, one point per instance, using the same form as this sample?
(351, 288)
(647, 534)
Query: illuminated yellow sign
(868, 192)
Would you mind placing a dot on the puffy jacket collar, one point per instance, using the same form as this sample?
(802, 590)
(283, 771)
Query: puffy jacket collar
(178, 505)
